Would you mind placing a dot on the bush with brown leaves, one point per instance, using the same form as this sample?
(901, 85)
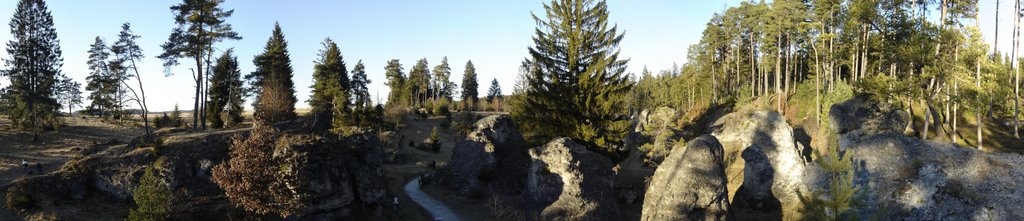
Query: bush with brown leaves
(249, 178)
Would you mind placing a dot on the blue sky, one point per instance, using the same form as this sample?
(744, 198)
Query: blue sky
(493, 34)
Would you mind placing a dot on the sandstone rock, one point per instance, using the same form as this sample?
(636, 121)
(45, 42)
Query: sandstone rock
(492, 159)
(910, 179)
(313, 173)
(690, 184)
(861, 116)
(772, 137)
(568, 182)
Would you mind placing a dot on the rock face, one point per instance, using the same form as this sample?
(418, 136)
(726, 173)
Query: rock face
(492, 159)
(760, 150)
(568, 182)
(690, 184)
(861, 116)
(910, 179)
(331, 178)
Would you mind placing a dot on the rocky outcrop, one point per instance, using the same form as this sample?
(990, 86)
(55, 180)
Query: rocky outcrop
(492, 159)
(568, 182)
(862, 116)
(690, 184)
(909, 179)
(760, 151)
(329, 177)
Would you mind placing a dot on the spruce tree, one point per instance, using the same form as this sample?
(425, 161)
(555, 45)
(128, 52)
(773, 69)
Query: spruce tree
(494, 91)
(226, 77)
(276, 101)
(330, 80)
(396, 81)
(360, 94)
(469, 87)
(578, 89)
(152, 198)
(201, 23)
(33, 67)
(100, 83)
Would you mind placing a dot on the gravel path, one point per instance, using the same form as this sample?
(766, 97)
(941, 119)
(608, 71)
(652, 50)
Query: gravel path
(436, 208)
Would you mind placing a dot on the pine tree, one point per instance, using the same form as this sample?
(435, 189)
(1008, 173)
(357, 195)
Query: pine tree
(330, 80)
(419, 82)
(576, 93)
(396, 81)
(201, 23)
(276, 101)
(441, 84)
(126, 54)
(33, 67)
(100, 82)
(69, 93)
(226, 77)
(152, 197)
(360, 94)
(469, 87)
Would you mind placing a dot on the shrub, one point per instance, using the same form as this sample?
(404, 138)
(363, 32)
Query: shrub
(840, 200)
(249, 177)
(152, 197)
(395, 114)
(441, 107)
(435, 141)
(20, 197)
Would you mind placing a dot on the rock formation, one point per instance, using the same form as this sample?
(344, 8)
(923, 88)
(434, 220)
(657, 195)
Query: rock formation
(690, 184)
(568, 182)
(492, 159)
(862, 116)
(760, 149)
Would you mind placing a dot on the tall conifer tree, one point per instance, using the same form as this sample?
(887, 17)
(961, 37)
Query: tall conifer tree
(33, 67)
(469, 87)
(276, 101)
(578, 87)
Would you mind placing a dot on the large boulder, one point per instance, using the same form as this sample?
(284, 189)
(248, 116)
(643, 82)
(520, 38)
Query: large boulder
(492, 159)
(863, 116)
(313, 174)
(568, 182)
(690, 184)
(760, 151)
(909, 179)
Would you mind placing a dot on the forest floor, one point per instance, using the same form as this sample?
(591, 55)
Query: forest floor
(416, 159)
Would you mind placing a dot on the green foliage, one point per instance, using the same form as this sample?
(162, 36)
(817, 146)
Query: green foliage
(360, 94)
(276, 101)
(579, 93)
(33, 67)
(469, 87)
(331, 94)
(841, 92)
(418, 84)
(69, 93)
(152, 198)
(224, 91)
(399, 95)
(841, 199)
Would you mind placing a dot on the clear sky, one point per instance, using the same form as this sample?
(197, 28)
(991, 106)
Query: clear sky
(493, 34)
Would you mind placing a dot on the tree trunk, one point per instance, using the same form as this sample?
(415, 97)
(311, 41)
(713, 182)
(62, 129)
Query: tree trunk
(977, 79)
(199, 89)
(1016, 75)
(778, 73)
